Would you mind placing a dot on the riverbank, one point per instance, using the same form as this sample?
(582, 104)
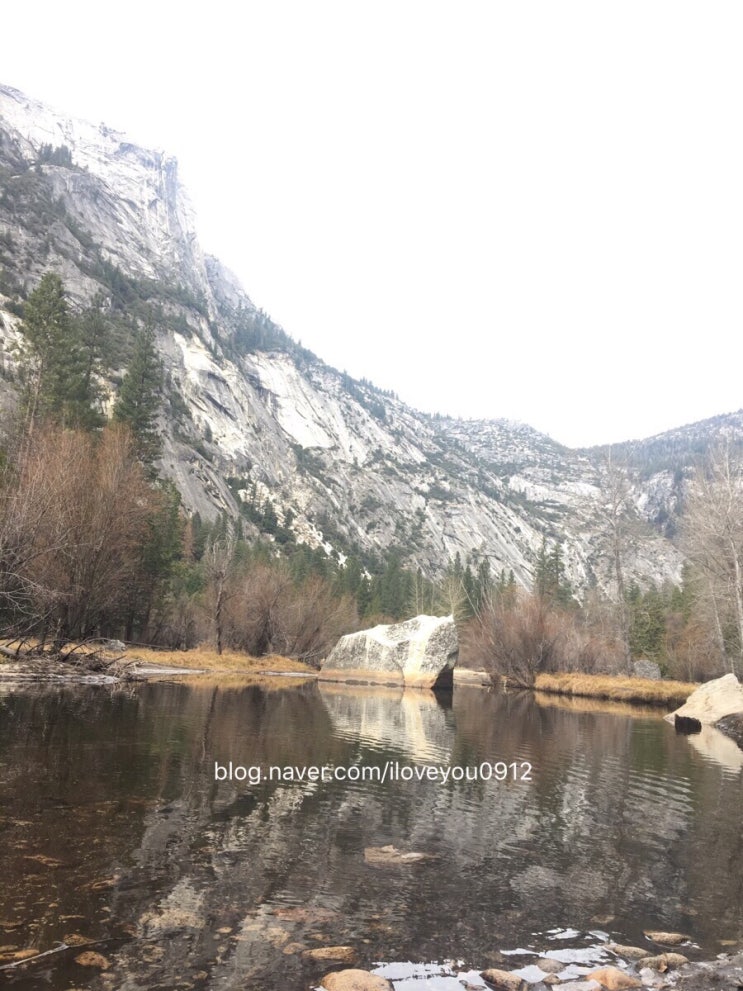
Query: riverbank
(616, 689)
(107, 663)
(207, 659)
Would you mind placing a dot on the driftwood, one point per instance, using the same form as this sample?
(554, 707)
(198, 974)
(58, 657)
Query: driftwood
(92, 656)
(62, 948)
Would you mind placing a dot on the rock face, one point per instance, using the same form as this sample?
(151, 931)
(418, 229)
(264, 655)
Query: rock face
(344, 466)
(419, 653)
(712, 701)
(646, 669)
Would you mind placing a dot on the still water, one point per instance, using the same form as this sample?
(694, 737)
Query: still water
(114, 832)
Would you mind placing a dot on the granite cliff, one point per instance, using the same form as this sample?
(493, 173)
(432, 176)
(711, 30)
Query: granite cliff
(254, 423)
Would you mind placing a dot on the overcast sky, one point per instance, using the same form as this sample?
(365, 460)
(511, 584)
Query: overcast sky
(530, 210)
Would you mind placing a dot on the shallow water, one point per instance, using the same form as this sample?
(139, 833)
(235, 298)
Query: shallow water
(114, 830)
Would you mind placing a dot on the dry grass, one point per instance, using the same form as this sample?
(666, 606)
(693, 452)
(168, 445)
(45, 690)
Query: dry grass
(205, 658)
(200, 658)
(617, 689)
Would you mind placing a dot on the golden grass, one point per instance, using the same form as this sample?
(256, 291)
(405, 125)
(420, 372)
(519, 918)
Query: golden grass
(617, 689)
(205, 658)
(200, 658)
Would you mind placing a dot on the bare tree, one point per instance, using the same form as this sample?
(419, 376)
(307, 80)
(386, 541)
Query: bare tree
(517, 639)
(218, 568)
(616, 512)
(713, 539)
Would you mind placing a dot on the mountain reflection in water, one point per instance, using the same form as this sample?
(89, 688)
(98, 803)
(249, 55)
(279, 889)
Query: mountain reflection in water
(115, 831)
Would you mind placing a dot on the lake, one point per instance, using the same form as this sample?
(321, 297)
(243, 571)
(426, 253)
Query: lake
(114, 832)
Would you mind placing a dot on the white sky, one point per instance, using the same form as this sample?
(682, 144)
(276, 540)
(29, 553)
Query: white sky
(519, 208)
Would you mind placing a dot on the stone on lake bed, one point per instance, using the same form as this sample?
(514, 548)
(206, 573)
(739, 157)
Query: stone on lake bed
(549, 966)
(26, 954)
(390, 856)
(418, 653)
(91, 959)
(614, 979)
(334, 954)
(663, 962)
(355, 980)
(668, 939)
(503, 980)
(628, 952)
(305, 913)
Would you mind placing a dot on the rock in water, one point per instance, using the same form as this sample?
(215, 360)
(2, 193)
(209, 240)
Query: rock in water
(503, 980)
(712, 701)
(355, 980)
(390, 856)
(663, 962)
(614, 979)
(336, 954)
(419, 653)
(669, 939)
(732, 726)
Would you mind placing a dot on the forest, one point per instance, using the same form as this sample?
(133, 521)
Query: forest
(95, 544)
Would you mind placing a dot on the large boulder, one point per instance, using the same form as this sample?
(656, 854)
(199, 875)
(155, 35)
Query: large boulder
(646, 669)
(732, 726)
(711, 701)
(419, 653)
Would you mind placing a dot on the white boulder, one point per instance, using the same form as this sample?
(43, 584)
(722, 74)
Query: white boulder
(420, 652)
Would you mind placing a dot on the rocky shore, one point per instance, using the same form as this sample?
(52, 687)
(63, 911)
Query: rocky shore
(661, 965)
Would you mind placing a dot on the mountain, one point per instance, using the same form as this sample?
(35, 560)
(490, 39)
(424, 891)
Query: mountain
(254, 424)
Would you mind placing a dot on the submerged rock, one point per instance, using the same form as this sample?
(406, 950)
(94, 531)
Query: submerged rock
(549, 966)
(614, 979)
(628, 952)
(420, 653)
(390, 856)
(503, 980)
(355, 980)
(663, 962)
(335, 954)
(668, 939)
(91, 959)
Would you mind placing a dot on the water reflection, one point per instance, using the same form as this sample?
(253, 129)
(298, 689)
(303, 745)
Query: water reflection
(115, 830)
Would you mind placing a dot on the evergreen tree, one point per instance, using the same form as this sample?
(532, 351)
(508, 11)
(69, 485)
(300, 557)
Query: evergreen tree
(550, 583)
(92, 337)
(140, 396)
(60, 367)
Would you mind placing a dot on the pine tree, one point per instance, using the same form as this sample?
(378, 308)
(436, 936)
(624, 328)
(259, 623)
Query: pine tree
(140, 396)
(60, 364)
(550, 583)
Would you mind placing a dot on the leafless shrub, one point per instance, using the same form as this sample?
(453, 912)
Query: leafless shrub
(518, 641)
(268, 612)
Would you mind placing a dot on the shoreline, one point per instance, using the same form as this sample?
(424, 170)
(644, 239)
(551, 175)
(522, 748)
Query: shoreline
(615, 688)
(145, 663)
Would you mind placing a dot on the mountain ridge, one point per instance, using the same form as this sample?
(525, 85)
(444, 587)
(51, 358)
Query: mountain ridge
(252, 421)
